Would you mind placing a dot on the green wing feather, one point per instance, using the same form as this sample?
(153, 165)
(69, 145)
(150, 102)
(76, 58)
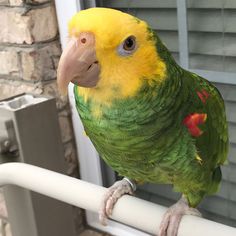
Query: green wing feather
(212, 145)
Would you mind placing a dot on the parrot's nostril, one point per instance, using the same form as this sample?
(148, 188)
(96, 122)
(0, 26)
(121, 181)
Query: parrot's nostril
(96, 62)
(83, 40)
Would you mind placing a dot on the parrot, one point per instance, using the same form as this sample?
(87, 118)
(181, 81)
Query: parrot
(150, 120)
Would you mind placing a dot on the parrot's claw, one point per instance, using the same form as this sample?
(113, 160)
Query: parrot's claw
(116, 191)
(171, 219)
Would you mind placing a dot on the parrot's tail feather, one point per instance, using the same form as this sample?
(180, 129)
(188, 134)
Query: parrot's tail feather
(216, 178)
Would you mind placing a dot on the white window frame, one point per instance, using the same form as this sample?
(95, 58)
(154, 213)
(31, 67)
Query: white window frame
(90, 167)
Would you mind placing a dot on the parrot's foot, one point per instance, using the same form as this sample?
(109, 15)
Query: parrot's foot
(116, 191)
(171, 219)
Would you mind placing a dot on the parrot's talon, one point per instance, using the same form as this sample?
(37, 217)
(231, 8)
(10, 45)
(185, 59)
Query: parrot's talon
(171, 219)
(102, 218)
(116, 191)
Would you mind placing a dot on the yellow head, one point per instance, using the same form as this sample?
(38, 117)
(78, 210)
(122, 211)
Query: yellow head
(120, 49)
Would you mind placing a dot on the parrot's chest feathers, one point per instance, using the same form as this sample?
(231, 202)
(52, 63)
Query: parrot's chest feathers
(130, 134)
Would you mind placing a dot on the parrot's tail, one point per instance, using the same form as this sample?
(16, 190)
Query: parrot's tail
(216, 178)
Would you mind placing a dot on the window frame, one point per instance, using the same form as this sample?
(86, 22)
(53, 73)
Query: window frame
(88, 156)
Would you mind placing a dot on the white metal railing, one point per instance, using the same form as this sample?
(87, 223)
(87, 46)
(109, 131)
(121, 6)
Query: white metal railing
(132, 211)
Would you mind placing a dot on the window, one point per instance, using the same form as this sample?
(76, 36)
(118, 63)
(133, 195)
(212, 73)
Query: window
(201, 36)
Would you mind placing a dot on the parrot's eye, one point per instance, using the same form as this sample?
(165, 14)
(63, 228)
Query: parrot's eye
(128, 46)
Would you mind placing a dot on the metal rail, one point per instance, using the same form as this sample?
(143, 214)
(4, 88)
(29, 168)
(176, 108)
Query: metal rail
(132, 211)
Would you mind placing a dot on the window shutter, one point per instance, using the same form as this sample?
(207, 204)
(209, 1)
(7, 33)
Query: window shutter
(212, 47)
(212, 31)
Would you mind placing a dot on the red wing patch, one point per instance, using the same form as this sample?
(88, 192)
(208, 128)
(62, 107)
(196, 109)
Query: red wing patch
(192, 121)
(203, 95)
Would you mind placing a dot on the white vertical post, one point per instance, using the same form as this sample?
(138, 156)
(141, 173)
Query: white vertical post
(65, 10)
(86, 152)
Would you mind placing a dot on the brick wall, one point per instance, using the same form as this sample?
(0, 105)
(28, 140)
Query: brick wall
(29, 54)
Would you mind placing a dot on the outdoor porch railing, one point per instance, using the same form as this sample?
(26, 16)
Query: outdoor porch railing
(130, 210)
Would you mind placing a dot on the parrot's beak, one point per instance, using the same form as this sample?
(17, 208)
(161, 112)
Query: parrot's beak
(78, 63)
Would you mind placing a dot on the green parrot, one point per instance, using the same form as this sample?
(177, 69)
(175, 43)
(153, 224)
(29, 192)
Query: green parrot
(149, 119)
